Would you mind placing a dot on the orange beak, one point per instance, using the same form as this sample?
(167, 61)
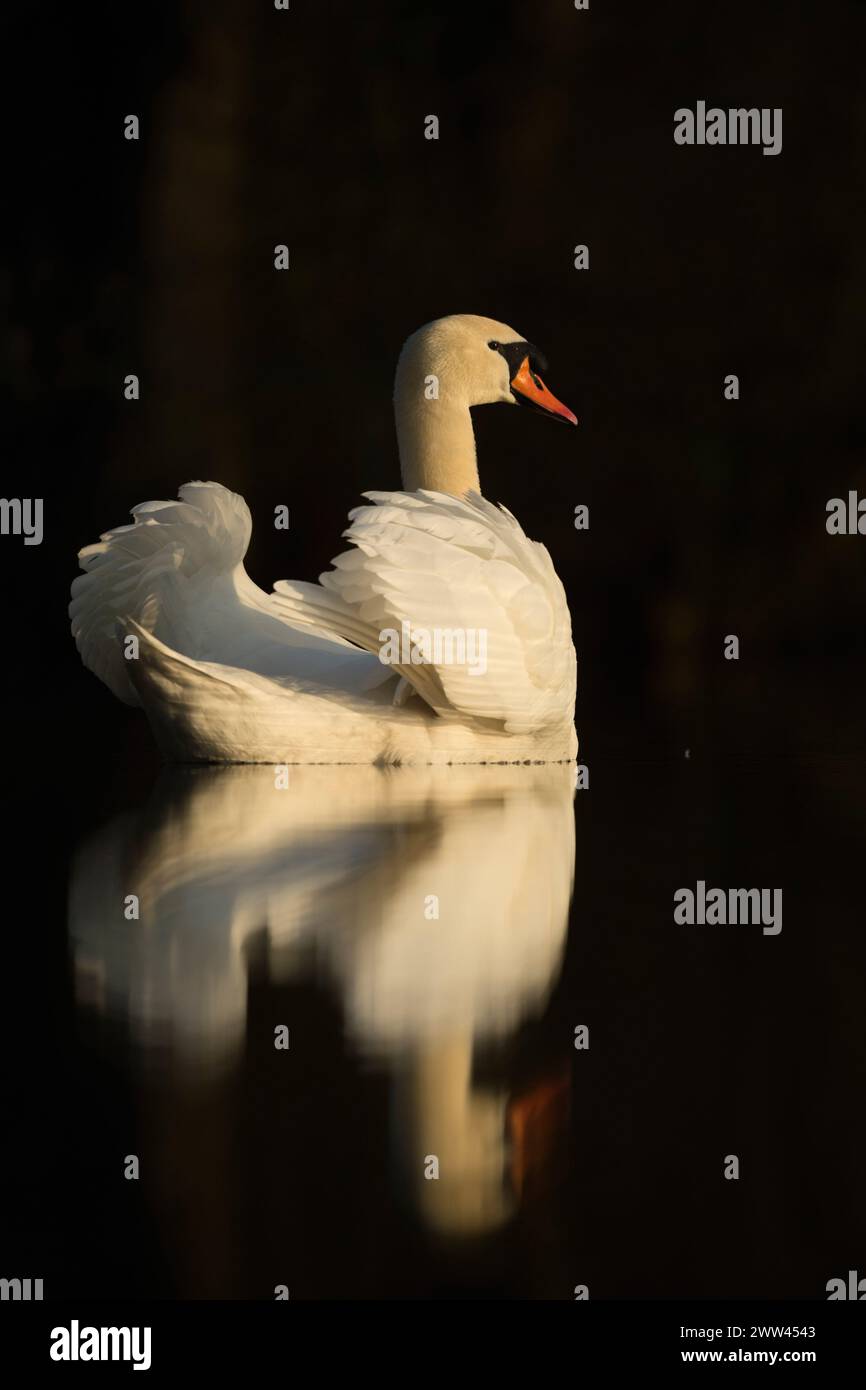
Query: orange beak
(531, 390)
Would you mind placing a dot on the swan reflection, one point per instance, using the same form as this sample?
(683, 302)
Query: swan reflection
(432, 901)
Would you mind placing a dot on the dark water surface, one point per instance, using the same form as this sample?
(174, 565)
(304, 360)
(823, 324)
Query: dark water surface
(412, 1035)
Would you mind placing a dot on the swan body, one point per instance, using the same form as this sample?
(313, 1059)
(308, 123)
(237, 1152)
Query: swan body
(166, 615)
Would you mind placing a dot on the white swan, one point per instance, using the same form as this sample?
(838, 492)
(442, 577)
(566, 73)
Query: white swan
(228, 673)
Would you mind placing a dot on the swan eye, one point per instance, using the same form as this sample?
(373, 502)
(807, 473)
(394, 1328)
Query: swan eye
(493, 346)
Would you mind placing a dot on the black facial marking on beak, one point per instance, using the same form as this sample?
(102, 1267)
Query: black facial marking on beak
(525, 362)
(514, 354)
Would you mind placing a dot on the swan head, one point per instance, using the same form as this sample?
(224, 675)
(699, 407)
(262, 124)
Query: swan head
(469, 360)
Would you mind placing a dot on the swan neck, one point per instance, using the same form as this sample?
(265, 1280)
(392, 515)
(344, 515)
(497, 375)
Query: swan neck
(437, 444)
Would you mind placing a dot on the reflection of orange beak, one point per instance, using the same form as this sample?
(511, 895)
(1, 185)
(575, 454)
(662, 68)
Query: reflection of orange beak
(536, 1121)
(531, 390)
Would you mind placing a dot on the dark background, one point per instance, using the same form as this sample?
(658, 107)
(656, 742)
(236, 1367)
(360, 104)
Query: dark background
(707, 517)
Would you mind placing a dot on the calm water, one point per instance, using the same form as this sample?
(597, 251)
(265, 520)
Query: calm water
(431, 939)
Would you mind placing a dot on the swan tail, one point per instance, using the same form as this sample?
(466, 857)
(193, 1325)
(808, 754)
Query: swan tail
(139, 575)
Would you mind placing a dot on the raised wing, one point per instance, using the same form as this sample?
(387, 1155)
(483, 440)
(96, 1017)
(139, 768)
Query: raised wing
(177, 572)
(135, 571)
(432, 578)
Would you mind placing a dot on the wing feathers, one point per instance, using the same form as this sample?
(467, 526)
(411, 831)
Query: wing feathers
(129, 571)
(425, 567)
